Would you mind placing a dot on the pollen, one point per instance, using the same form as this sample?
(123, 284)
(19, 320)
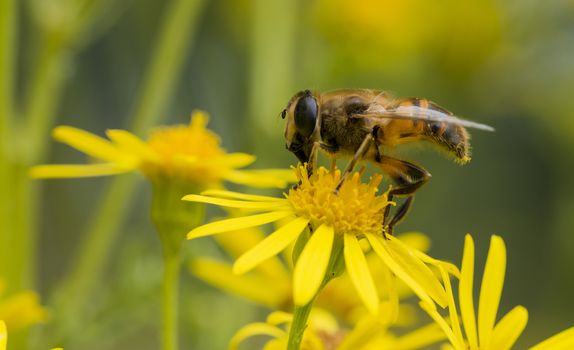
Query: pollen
(355, 208)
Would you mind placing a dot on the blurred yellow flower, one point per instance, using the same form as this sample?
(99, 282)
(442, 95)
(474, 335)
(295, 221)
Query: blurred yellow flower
(187, 152)
(391, 35)
(3, 335)
(21, 310)
(337, 218)
(483, 333)
(324, 333)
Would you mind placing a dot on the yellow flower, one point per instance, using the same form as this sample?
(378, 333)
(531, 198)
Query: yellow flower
(485, 333)
(325, 333)
(270, 283)
(355, 212)
(3, 335)
(21, 310)
(188, 152)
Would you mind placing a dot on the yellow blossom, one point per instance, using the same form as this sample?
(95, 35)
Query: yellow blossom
(188, 152)
(270, 283)
(21, 309)
(354, 213)
(484, 333)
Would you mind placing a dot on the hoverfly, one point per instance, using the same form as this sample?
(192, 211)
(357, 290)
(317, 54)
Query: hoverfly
(361, 123)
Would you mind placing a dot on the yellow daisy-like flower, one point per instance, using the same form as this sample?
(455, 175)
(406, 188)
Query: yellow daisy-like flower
(484, 333)
(21, 310)
(338, 219)
(324, 333)
(188, 152)
(270, 283)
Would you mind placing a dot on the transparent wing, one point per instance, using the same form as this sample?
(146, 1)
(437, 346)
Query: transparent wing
(418, 113)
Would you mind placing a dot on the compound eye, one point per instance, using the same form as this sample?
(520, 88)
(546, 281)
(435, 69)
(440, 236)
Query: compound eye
(306, 115)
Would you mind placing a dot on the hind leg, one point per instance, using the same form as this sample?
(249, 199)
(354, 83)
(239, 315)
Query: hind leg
(408, 178)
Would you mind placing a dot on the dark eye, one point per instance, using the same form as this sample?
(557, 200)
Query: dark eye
(306, 115)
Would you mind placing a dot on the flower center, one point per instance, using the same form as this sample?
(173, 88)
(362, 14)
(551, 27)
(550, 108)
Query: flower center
(186, 150)
(355, 208)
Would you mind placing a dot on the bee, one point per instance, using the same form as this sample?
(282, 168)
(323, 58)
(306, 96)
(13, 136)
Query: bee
(362, 124)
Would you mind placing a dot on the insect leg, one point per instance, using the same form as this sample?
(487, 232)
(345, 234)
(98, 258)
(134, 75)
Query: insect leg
(312, 164)
(359, 154)
(408, 178)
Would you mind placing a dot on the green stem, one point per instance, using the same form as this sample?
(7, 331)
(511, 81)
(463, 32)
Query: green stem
(298, 326)
(8, 32)
(172, 218)
(170, 293)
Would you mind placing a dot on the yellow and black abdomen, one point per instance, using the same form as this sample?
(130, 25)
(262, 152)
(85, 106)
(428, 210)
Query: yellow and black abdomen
(450, 137)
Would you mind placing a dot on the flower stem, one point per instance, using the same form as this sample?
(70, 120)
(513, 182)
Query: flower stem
(172, 219)
(170, 293)
(300, 317)
(8, 33)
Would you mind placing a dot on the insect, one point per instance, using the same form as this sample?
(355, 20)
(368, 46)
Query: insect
(362, 124)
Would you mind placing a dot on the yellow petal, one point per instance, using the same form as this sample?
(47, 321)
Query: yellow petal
(72, 170)
(253, 288)
(406, 256)
(240, 196)
(3, 335)
(232, 160)
(431, 311)
(453, 314)
(279, 317)
(465, 292)
(356, 266)
(236, 204)
(561, 341)
(236, 224)
(255, 179)
(449, 267)
(236, 243)
(415, 240)
(90, 144)
(270, 246)
(311, 267)
(254, 329)
(491, 289)
(130, 143)
(382, 251)
(508, 329)
(420, 338)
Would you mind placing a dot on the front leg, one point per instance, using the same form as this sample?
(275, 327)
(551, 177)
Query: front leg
(312, 163)
(360, 153)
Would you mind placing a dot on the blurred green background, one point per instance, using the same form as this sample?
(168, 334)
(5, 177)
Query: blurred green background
(91, 64)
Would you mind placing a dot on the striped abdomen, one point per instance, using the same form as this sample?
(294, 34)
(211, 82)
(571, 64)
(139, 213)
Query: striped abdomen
(453, 138)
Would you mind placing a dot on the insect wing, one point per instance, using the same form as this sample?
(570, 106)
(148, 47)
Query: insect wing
(418, 113)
